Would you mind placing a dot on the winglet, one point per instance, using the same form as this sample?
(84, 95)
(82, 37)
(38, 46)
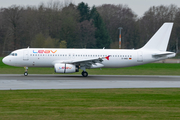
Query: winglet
(107, 57)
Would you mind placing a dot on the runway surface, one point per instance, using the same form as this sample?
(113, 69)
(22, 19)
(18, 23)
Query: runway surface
(34, 81)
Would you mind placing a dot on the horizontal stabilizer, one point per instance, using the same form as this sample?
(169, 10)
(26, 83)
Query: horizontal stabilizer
(163, 54)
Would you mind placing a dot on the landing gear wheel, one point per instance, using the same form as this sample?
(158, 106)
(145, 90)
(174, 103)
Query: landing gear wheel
(84, 74)
(25, 73)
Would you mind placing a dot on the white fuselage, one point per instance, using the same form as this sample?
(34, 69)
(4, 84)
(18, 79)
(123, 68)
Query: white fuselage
(71, 60)
(41, 57)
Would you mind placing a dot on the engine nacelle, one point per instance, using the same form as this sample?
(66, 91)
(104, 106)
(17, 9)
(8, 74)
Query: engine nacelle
(65, 68)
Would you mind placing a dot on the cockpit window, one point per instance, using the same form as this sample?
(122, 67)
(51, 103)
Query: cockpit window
(13, 54)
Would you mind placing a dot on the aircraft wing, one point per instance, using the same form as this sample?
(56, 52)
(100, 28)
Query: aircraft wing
(95, 60)
(88, 63)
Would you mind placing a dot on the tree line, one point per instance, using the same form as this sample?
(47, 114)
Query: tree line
(66, 25)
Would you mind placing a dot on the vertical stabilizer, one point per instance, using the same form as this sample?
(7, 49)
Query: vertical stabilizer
(160, 39)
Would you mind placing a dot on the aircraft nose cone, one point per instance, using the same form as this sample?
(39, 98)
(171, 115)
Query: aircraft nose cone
(4, 60)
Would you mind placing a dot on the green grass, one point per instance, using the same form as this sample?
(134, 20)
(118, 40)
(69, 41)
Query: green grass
(147, 69)
(94, 104)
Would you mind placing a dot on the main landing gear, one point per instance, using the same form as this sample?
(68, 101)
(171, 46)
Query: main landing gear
(84, 74)
(26, 71)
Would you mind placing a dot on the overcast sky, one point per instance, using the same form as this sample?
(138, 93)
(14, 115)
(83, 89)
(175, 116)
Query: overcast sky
(138, 6)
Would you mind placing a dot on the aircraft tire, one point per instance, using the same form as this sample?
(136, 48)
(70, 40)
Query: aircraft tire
(25, 73)
(84, 74)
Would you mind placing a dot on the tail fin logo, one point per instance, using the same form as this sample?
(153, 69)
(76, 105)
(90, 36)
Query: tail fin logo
(107, 57)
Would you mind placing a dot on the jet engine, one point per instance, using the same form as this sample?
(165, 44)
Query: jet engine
(65, 68)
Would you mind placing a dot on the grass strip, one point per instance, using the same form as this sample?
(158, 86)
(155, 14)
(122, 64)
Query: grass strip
(96, 104)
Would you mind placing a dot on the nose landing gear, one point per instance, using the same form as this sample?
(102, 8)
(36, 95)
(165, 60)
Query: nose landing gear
(26, 71)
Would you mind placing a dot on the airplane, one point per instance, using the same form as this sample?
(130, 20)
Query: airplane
(71, 60)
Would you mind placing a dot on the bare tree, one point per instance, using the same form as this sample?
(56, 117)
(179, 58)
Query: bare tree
(116, 16)
(12, 17)
(154, 18)
(86, 34)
